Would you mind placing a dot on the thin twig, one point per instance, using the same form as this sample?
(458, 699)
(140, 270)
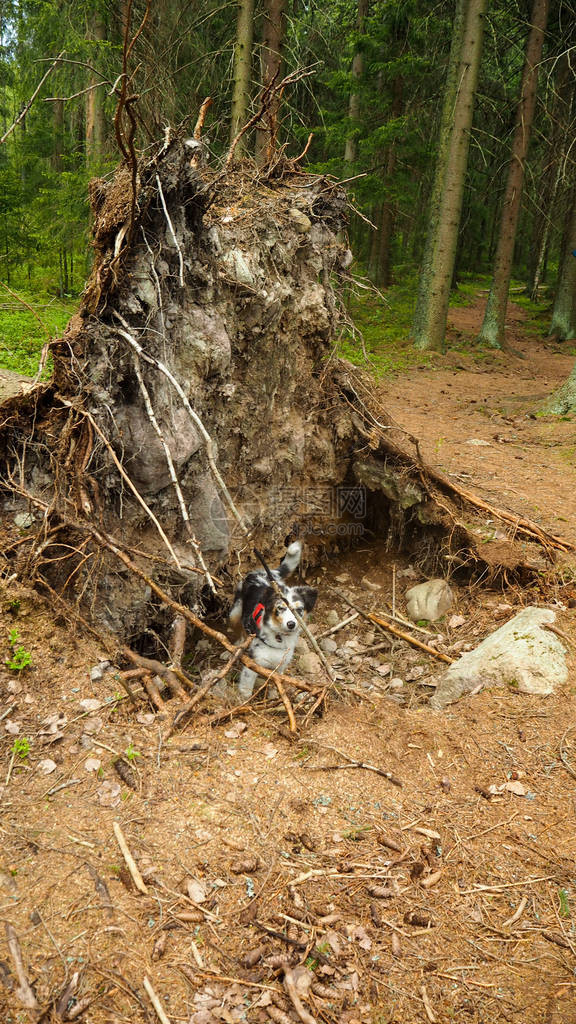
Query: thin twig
(172, 231)
(351, 762)
(173, 474)
(26, 108)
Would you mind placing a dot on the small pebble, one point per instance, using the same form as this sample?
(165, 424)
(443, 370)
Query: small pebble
(328, 645)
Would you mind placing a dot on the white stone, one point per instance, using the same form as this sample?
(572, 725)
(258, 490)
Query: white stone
(521, 654)
(430, 600)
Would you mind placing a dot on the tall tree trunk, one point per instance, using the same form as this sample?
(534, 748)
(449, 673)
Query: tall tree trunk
(559, 141)
(447, 193)
(388, 211)
(271, 61)
(95, 99)
(242, 71)
(58, 140)
(492, 332)
(351, 149)
(563, 324)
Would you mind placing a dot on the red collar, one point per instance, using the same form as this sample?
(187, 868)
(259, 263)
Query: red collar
(258, 615)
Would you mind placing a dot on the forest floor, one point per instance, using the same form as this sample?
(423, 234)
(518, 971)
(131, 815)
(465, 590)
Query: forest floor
(437, 901)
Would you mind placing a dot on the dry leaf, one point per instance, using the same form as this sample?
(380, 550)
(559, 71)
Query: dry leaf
(13, 728)
(196, 890)
(109, 794)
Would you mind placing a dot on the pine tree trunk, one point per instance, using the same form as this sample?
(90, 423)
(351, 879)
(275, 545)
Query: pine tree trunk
(447, 194)
(388, 211)
(242, 71)
(563, 326)
(58, 142)
(95, 100)
(271, 61)
(351, 149)
(492, 332)
(560, 140)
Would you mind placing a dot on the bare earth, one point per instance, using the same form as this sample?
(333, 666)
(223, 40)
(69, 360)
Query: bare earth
(433, 902)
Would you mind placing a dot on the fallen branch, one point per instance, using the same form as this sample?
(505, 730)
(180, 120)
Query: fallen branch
(171, 673)
(185, 712)
(24, 993)
(387, 627)
(156, 1002)
(130, 862)
(178, 640)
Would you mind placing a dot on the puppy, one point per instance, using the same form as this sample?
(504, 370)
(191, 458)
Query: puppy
(260, 610)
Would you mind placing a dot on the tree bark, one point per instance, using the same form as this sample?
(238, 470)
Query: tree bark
(95, 99)
(271, 62)
(351, 149)
(383, 262)
(242, 71)
(447, 194)
(563, 325)
(493, 327)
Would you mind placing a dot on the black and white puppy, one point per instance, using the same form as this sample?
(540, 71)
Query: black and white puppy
(260, 610)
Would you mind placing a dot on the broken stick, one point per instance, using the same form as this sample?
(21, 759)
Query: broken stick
(24, 993)
(130, 862)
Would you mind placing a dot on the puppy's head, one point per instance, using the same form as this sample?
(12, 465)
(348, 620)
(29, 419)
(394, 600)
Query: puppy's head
(279, 616)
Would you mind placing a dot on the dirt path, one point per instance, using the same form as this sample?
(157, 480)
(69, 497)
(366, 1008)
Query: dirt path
(263, 854)
(525, 462)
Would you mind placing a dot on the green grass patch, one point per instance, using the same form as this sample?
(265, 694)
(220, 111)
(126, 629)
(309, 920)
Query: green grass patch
(21, 334)
(385, 323)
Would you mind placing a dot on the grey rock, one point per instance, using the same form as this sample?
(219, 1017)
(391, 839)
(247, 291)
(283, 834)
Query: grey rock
(328, 645)
(301, 222)
(309, 663)
(332, 618)
(144, 456)
(520, 654)
(430, 600)
(24, 520)
(237, 267)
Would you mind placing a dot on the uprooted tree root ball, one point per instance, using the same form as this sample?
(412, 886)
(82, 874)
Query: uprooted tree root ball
(197, 410)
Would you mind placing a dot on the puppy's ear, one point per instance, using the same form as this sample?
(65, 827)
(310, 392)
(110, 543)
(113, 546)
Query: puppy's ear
(308, 596)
